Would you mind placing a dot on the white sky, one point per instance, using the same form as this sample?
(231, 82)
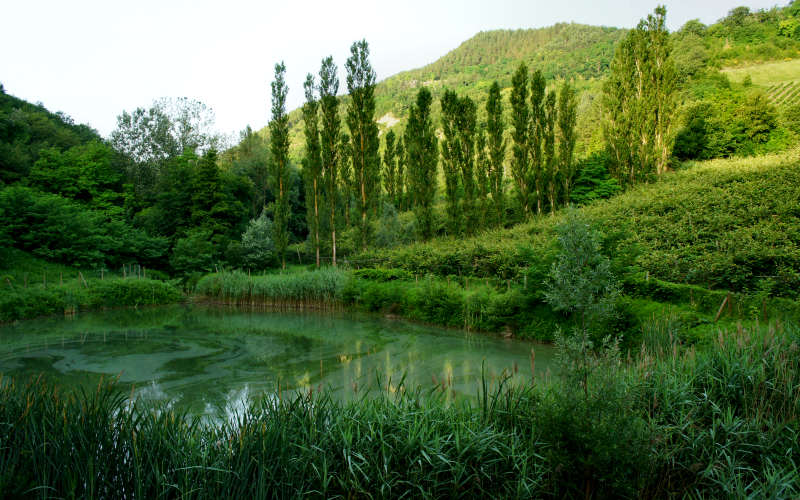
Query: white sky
(94, 58)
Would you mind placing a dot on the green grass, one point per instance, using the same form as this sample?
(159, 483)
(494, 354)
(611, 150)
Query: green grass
(33, 287)
(670, 422)
(722, 224)
(766, 74)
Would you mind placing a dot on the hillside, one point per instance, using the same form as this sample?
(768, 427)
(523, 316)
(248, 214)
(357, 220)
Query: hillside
(721, 224)
(26, 129)
(580, 53)
(573, 51)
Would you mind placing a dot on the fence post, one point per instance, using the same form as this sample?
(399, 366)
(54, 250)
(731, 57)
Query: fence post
(721, 308)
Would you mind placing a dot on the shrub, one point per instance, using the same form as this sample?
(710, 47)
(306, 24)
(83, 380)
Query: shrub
(257, 246)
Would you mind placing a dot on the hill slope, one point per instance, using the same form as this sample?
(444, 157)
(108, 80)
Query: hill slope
(581, 53)
(26, 129)
(572, 51)
(723, 224)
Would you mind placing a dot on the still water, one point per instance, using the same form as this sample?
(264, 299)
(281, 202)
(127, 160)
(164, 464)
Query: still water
(208, 359)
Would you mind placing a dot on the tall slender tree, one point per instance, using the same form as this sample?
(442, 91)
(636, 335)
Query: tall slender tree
(422, 156)
(639, 101)
(520, 117)
(329, 140)
(536, 137)
(347, 178)
(495, 128)
(549, 160)
(467, 126)
(482, 171)
(451, 150)
(390, 168)
(279, 147)
(567, 118)
(312, 163)
(364, 133)
(401, 200)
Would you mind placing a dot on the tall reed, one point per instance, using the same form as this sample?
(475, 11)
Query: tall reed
(318, 288)
(719, 423)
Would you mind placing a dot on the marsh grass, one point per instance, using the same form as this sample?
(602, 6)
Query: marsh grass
(319, 288)
(716, 423)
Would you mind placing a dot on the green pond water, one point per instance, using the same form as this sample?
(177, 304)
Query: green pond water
(210, 359)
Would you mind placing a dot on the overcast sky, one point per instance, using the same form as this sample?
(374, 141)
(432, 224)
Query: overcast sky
(94, 58)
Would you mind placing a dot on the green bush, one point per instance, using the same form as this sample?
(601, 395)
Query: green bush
(381, 274)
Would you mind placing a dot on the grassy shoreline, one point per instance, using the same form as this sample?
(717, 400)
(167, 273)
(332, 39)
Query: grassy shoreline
(30, 302)
(496, 308)
(720, 422)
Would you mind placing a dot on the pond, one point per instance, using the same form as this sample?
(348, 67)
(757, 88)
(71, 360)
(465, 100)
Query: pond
(205, 360)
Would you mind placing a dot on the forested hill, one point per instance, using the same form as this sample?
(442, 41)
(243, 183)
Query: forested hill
(26, 129)
(581, 53)
(561, 51)
(566, 50)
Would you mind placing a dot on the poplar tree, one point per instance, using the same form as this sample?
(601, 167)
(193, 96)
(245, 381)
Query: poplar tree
(422, 157)
(347, 180)
(329, 141)
(450, 160)
(364, 134)
(639, 101)
(482, 170)
(390, 177)
(536, 138)
(495, 127)
(459, 119)
(312, 163)
(520, 118)
(467, 123)
(567, 118)
(549, 161)
(279, 147)
(401, 190)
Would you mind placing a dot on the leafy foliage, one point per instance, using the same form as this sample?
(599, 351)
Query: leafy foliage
(724, 224)
(279, 147)
(26, 129)
(62, 230)
(422, 153)
(257, 244)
